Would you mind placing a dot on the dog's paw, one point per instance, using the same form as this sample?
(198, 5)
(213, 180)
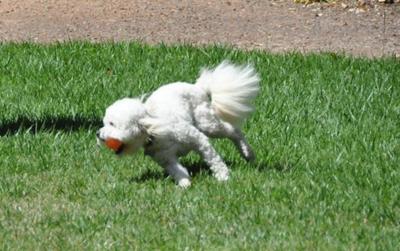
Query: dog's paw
(250, 156)
(247, 153)
(222, 175)
(184, 183)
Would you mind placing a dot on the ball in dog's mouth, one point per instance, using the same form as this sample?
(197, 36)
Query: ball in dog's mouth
(115, 145)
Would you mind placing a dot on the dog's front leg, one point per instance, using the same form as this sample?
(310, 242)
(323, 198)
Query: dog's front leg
(178, 172)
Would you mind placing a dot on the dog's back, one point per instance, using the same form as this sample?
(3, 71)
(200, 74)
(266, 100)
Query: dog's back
(229, 89)
(175, 102)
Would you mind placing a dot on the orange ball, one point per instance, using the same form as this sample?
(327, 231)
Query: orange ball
(113, 144)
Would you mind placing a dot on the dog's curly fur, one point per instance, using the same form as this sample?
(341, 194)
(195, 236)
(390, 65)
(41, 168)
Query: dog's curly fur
(179, 117)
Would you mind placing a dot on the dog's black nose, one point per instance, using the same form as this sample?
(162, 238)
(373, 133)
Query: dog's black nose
(98, 134)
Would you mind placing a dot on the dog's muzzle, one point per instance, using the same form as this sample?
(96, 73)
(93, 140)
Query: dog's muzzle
(101, 141)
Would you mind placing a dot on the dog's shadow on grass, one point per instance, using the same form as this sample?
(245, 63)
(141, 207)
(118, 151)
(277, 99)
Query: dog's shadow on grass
(48, 124)
(200, 167)
(149, 175)
(152, 175)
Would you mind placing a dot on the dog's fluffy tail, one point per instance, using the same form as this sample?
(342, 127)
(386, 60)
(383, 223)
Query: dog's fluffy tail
(232, 89)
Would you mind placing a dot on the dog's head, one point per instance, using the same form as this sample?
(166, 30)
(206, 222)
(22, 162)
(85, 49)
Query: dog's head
(122, 131)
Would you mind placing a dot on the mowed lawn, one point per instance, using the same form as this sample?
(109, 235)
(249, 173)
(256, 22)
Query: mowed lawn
(326, 133)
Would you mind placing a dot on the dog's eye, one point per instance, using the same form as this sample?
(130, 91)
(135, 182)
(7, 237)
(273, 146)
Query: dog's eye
(111, 124)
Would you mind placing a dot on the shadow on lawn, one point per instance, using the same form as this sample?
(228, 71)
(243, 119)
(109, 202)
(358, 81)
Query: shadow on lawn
(193, 168)
(200, 166)
(148, 176)
(65, 124)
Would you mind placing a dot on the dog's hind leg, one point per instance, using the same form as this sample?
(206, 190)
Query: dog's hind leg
(237, 137)
(213, 126)
(240, 142)
(200, 143)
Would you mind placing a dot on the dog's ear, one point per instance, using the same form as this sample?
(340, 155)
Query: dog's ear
(154, 126)
(146, 124)
(142, 126)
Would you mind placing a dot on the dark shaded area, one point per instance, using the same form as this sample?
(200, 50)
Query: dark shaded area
(147, 176)
(197, 167)
(200, 166)
(193, 168)
(64, 124)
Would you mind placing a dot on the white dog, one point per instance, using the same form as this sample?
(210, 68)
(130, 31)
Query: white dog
(179, 117)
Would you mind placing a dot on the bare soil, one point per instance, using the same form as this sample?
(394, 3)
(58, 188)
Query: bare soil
(361, 28)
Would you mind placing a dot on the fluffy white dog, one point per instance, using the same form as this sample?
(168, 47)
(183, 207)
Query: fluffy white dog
(179, 117)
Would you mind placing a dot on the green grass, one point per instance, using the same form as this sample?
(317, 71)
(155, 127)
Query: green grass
(326, 133)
